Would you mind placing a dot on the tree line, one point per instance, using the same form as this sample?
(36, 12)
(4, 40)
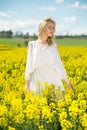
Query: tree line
(10, 34)
(6, 34)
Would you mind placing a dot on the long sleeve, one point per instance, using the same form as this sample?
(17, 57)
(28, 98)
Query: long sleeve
(28, 69)
(60, 65)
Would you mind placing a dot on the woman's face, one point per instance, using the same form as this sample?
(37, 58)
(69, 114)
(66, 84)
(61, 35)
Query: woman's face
(49, 29)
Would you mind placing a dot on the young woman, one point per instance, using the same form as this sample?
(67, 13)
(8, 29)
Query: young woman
(43, 60)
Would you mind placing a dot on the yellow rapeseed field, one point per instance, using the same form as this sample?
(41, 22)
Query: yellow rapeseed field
(48, 110)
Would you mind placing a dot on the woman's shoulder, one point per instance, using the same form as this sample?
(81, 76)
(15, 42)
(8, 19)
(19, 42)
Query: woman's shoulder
(30, 43)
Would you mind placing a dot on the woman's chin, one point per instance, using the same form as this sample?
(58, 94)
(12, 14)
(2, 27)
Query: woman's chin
(50, 35)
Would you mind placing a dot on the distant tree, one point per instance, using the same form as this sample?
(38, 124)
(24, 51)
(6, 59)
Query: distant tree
(34, 36)
(9, 34)
(26, 35)
(19, 34)
(6, 34)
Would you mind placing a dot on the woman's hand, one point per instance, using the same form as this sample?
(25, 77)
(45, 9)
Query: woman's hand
(70, 86)
(27, 84)
(25, 88)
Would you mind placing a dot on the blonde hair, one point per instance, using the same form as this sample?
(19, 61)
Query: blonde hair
(42, 25)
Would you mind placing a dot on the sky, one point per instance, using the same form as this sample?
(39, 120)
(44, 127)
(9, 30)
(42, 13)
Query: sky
(25, 15)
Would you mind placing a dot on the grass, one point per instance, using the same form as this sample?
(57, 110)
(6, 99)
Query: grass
(17, 42)
(72, 42)
(12, 41)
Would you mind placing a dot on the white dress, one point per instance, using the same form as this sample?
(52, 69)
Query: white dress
(44, 65)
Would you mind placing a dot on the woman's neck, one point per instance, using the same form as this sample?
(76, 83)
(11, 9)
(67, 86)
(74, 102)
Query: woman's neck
(43, 40)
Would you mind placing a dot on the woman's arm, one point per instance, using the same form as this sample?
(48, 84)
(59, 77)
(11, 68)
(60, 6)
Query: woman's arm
(59, 64)
(28, 69)
(63, 72)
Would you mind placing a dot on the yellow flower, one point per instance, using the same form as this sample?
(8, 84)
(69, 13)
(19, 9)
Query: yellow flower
(66, 124)
(3, 116)
(41, 127)
(74, 109)
(83, 120)
(63, 115)
(67, 107)
(11, 128)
